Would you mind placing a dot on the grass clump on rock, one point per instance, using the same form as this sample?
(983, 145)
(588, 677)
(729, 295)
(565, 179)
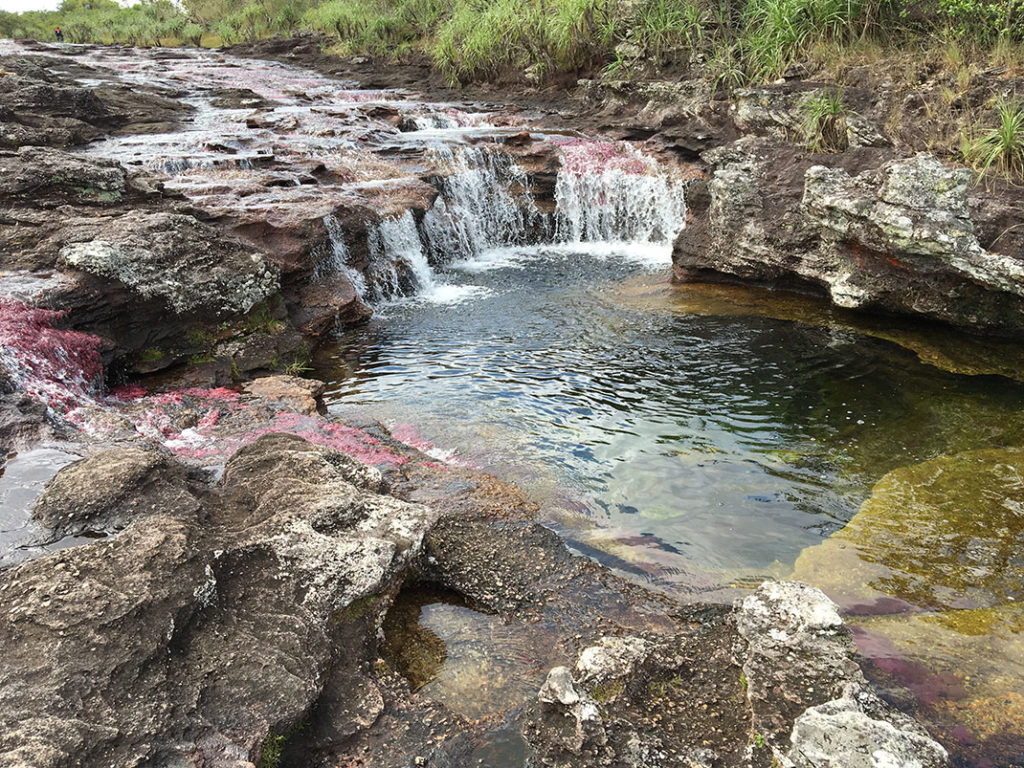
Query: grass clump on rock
(999, 149)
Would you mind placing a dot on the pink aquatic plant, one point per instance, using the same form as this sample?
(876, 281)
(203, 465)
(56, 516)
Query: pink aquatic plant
(586, 156)
(58, 367)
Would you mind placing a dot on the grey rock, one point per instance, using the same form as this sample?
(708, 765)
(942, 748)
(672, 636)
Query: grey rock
(869, 232)
(570, 716)
(800, 670)
(45, 175)
(106, 491)
(173, 257)
(916, 207)
(849, 733)
(798, 653)
(195, 632)
(612, 657)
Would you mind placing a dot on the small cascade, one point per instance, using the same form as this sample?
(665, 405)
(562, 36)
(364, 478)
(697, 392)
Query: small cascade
(398, 265)
(607, 192)
(444, 119)
(336, 261)
(485, 203)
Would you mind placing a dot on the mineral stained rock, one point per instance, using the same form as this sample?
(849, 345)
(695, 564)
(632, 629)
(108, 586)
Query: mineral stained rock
(886, 235)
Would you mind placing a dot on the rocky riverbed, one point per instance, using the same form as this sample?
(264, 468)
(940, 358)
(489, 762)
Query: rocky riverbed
(202, 569)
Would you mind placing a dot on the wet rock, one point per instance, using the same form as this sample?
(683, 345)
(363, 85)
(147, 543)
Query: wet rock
(869, 232)
(178, 640)
(173, 257)
(41, 103)
(108, 490)
(612, 657)
(302, 395)
(22, 421)
(848, 732)
(798, 653)
(570, 716)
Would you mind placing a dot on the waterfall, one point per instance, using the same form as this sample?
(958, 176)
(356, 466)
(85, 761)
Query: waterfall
(609, 192)
(398, 265)
(336, 260)
(478, 209)
(606, 194)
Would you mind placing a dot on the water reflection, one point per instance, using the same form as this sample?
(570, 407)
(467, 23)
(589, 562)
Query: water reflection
(729, 442)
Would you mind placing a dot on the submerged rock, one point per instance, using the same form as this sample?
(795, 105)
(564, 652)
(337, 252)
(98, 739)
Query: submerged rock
(946, 533)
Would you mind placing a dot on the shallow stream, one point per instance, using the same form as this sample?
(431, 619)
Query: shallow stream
(698, 439)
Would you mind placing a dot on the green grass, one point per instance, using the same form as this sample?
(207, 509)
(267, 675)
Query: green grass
(824, 121)
(999, 150)
(734, 42)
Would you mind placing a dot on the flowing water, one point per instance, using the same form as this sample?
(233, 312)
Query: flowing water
(701, 439)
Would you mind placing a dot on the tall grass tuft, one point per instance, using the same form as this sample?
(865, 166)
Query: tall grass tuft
(824, 121)
(999, 150)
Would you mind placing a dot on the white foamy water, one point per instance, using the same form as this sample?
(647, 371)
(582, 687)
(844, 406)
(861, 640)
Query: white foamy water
(611, 201)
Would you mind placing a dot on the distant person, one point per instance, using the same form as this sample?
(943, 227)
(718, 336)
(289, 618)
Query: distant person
(59, 34)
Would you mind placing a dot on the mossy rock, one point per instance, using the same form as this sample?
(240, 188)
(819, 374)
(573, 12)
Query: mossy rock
(947, 533)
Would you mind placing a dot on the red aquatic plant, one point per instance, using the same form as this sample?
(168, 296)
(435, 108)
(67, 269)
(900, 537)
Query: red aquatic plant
(59, 367)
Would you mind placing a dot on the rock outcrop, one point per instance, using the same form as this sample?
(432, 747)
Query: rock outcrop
(43, 102)
(779, 670)
(885, 235)
(210, 621)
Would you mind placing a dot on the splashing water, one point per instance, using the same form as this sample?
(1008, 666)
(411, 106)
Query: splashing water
(607, 196)
(477, 209)
(609, 192)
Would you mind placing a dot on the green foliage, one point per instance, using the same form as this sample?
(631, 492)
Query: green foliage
(999, 149)
(733, 42)
(776, 33)
(605, 692)
(824, 121)
(983, 21)
(270, 752)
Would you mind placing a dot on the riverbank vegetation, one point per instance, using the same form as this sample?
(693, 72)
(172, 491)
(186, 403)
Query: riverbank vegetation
(731, 43)
(737, 41)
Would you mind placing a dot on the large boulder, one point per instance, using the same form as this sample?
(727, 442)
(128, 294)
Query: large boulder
(870, 232)
(175, 258)
(208, 623)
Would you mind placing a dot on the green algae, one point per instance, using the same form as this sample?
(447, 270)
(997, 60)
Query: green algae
(945, 533)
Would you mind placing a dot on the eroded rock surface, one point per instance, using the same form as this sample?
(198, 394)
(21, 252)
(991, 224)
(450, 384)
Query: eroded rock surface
(872, 233)
(203, 626)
